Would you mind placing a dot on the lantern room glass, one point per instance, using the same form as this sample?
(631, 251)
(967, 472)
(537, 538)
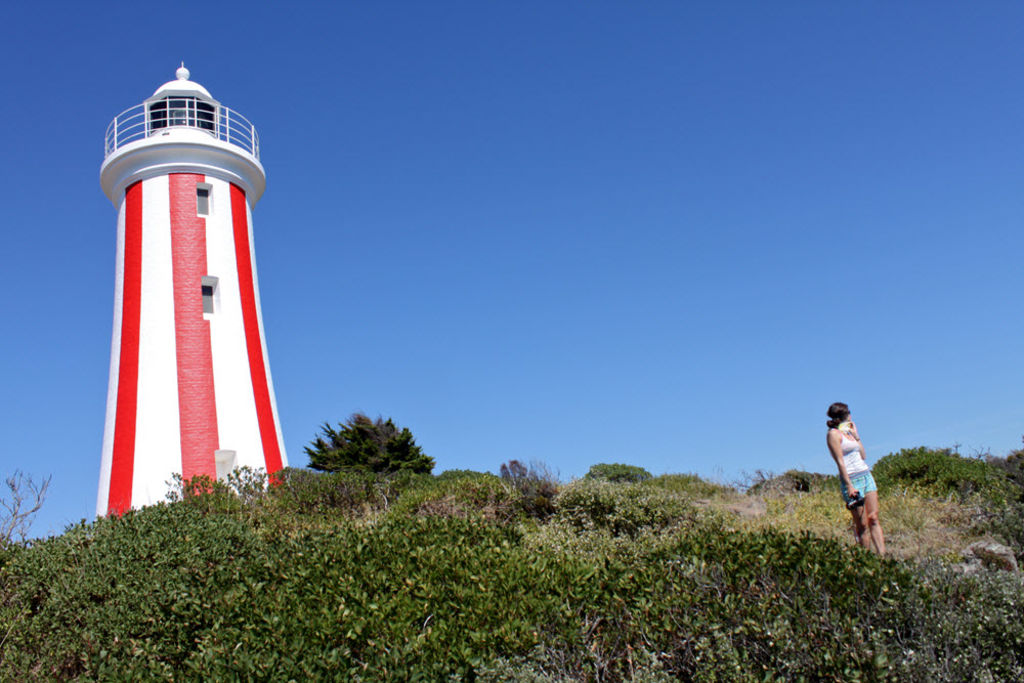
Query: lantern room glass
(182, 111)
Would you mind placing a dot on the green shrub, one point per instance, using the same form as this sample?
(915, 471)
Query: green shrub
(959, 628)
(536, 486)
(622, 583)
(461, 474)
(350, 493)
(791, 481)
(690, 485)
(942, 473)
(620, 508)
(243, 487)
(617, 472)
(130, 593)
(1006, 523)
(169, 592)
(203, 493)
(715, 604)
(469, 495)
(1013, 466)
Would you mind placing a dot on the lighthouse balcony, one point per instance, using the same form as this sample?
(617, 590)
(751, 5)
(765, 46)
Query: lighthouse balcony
(172, 114)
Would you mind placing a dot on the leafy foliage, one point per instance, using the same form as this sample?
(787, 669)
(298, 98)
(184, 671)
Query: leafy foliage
(367, 445)
(792, 481)
(350, 494)
(690, 485)
(364, 577)
(467, 494)
(1013, 466)
(537, 487)
(941, 472)
(623, 509)
(618, 472)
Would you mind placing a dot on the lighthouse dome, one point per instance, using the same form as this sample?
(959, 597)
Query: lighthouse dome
(181, 86)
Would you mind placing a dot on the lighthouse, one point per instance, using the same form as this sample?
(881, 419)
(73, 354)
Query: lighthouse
(190, 390)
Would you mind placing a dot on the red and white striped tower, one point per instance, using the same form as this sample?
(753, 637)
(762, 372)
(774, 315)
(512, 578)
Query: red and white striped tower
(190, 388)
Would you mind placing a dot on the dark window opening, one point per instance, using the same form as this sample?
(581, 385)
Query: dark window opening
(203, 200)
(209, 289)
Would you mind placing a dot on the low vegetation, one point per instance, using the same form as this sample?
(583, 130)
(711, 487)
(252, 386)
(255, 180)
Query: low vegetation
(358, 575)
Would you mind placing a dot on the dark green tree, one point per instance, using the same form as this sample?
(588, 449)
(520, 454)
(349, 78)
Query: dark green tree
(367, 445)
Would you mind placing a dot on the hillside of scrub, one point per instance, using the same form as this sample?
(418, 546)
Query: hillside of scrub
(471, 576)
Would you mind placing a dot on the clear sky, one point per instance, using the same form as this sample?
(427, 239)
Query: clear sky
(662, 233)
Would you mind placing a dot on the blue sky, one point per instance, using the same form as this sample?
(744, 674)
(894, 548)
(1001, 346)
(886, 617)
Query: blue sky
(663, 233)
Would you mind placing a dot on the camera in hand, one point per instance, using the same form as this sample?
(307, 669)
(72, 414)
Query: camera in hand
(855, 501)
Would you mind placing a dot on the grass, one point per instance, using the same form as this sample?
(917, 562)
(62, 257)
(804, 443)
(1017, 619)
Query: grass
(916, 526)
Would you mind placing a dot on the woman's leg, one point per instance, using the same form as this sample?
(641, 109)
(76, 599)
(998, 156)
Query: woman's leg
(860, 532)
(874, 533)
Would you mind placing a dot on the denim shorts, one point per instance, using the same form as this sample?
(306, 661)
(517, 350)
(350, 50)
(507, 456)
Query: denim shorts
(864, 483)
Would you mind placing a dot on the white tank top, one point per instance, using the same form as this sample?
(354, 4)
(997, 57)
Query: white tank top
(855, 464)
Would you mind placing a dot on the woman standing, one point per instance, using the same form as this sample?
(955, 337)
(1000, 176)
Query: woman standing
(855, 481)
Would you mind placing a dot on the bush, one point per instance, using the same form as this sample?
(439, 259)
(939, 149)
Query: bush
(461, 474)
(622, 583)
(1006, 523)
(620, 508)
(536, 486)
(618, 473)
(351, 493)
(959, 628)
(172, 592)
(367, 445)
(690, 485)
(472, 494)
(942, 473)
(792, 481)
(130, 594)
(1013, 466)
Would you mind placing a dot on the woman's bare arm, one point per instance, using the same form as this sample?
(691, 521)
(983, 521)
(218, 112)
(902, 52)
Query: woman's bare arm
(834, 439)
(856, 435)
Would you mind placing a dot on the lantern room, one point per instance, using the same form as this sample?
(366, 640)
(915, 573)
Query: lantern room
(181, 102)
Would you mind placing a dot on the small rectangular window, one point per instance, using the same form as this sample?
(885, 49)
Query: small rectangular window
(203, 200)
(209, 288)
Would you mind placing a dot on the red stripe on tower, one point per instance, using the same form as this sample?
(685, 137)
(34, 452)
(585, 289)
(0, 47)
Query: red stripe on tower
(197, 403)
(251, 322)
(119, 497)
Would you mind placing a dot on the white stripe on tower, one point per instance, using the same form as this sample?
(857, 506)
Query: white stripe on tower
(245, 263)
(263, 341)
(237, 424)
(103, 499)
(158, 435)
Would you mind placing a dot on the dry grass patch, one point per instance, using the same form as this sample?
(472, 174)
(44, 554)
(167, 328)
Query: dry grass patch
(918, 527)
(915, 526)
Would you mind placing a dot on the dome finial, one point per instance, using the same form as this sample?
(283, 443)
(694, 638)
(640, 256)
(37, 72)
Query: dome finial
(182, 73)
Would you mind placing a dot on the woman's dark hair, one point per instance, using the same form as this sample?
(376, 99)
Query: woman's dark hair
(839, 412)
